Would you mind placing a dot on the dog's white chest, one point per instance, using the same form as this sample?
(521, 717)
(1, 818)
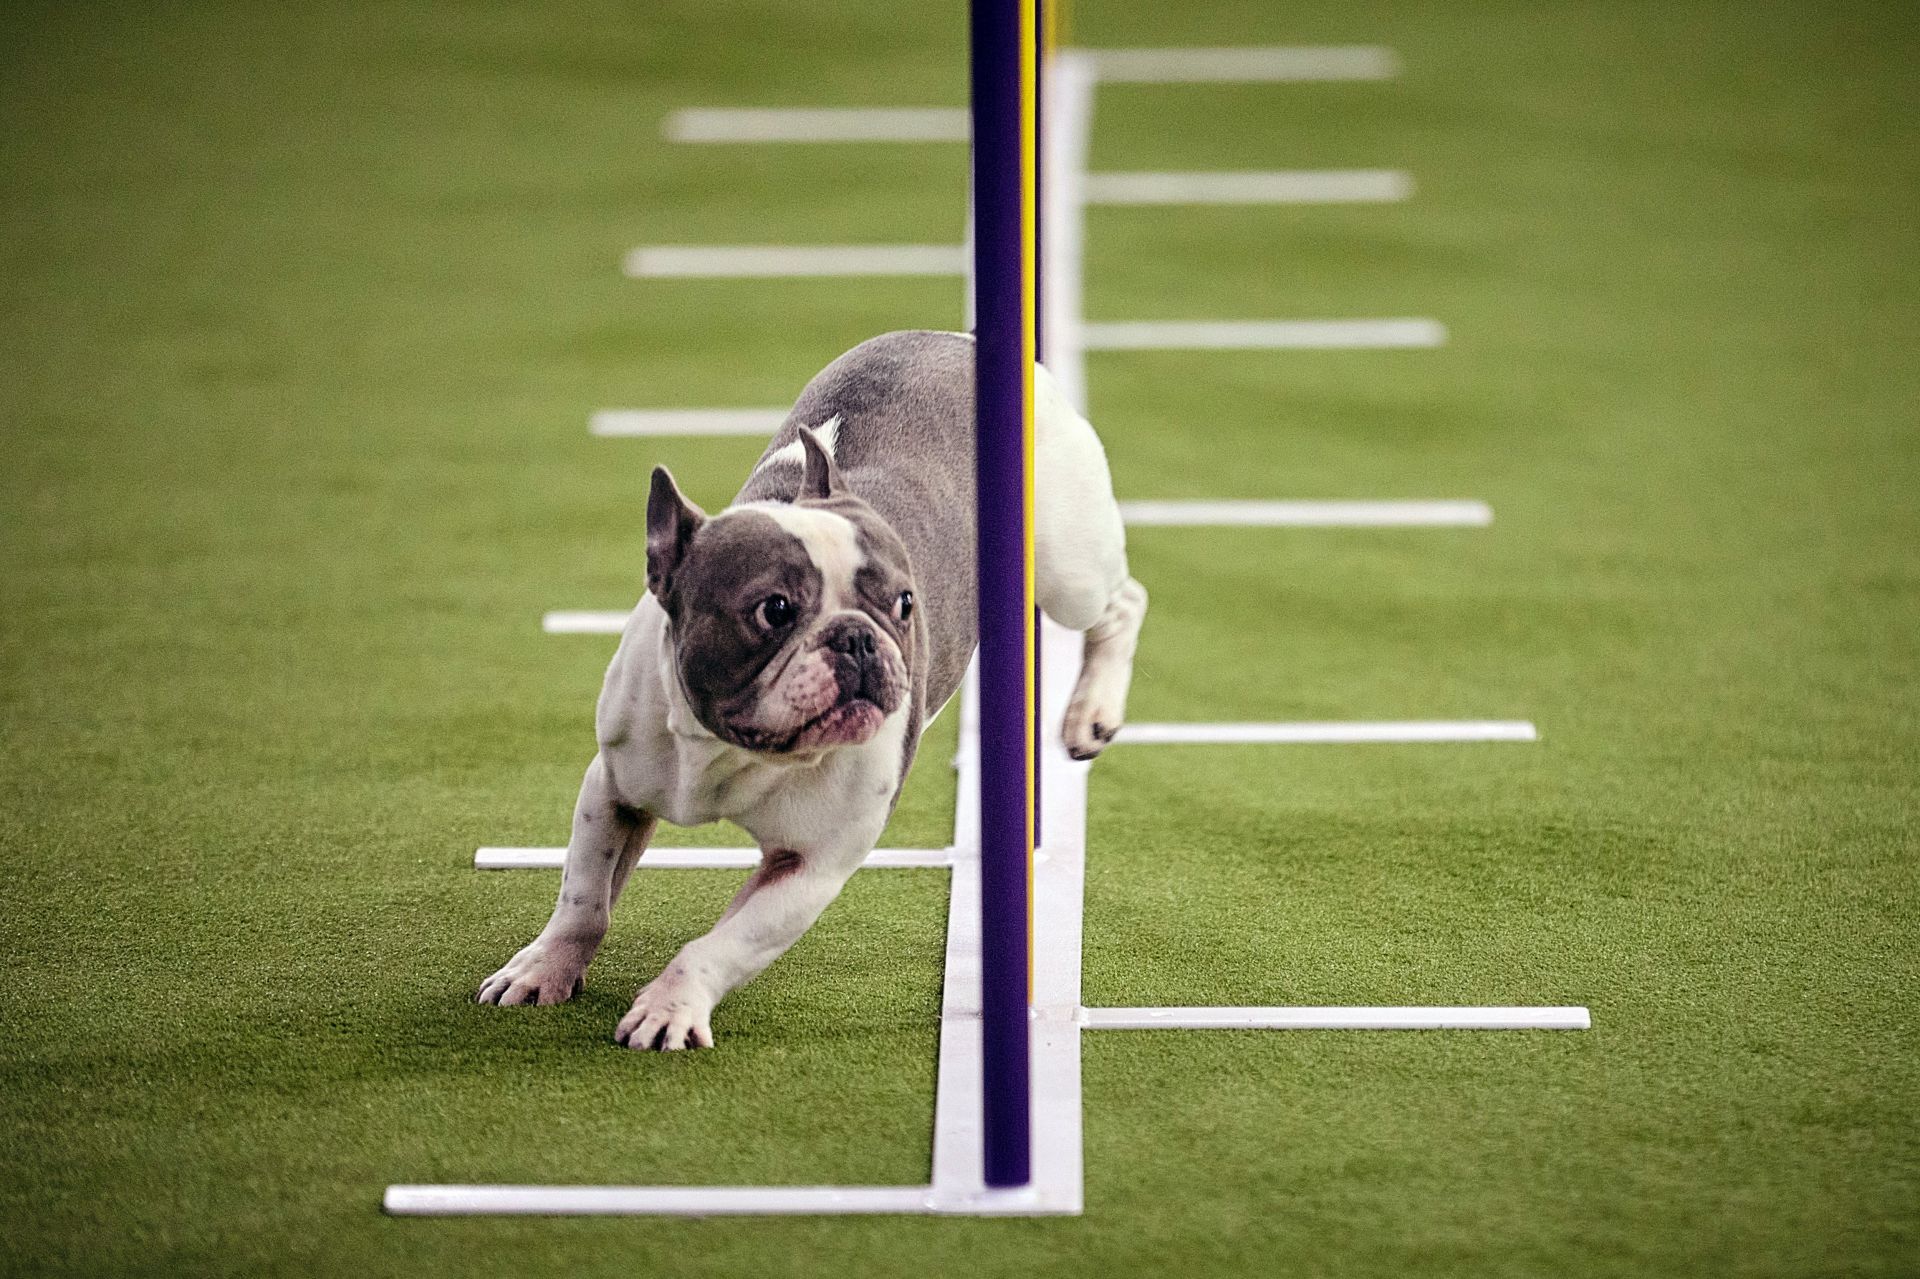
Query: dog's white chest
(708, 781)
(660, 760)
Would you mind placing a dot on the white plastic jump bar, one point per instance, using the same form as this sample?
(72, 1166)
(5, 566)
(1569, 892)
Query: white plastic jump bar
(1329, 733)
(707, 1201)
(700, 858)
(1303, 514)
(818, 124)
(1271, 186)
(629, 422)
(1263, 335)
(735, 261)
(584, 622)
(1269, 63)
(689, 1201)
(1358, 1018)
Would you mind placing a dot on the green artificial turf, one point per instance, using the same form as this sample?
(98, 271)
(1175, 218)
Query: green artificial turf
(302, 310)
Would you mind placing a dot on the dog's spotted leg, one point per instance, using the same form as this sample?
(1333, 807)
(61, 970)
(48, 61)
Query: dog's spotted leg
(779, 902)
(607, 839)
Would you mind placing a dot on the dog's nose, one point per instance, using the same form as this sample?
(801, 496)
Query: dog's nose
(855, 642)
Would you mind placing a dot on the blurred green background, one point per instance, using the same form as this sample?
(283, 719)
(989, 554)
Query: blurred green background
(303, 308)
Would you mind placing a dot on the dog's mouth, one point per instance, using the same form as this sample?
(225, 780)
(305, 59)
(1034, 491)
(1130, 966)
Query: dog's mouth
(851, 722)
(846, 723)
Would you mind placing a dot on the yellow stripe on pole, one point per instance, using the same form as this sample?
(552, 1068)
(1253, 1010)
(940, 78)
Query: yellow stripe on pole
(1029, 243)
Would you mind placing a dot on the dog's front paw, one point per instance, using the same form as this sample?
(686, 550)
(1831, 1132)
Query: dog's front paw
(669, 1013)
(544, 972)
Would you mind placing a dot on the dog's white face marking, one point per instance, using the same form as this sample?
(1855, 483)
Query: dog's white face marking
(828, 433)
(822, 673)
(832, 545)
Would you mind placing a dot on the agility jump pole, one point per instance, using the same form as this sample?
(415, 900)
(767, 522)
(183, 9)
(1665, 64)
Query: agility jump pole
(1005, 72)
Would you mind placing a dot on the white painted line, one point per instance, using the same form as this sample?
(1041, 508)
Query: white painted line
(1337, 1019)
(691, 1201)
(1250, 335)
(1069, 119)
(701, 858)
(1252, 63)
(736, 261)
(1297, 186)
(1337, 732)
(584, 622)
(1293, 514)
(817, 124)
(703, 1201)
(686, 421)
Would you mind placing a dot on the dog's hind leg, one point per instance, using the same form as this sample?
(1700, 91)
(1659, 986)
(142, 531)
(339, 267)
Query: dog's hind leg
(607, 839)
(1099, 703)
(1081, 579)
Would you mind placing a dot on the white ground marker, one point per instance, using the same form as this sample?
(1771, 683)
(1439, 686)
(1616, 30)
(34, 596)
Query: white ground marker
(774, 261)
(1307, 514)
(818, 124)
(630, 422)
(619, 1201)
(1252, 335)
(1509, 1018)
(584, 622)
(1252, 64)
(1327, 733)
(1300, 186)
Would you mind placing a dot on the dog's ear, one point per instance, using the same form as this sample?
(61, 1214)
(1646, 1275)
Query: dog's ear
(821, 477)
(671, 523)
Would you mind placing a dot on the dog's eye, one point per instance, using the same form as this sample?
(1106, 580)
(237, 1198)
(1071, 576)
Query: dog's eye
(903, 607)
(774, 612)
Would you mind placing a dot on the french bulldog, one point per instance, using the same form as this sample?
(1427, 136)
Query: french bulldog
(789, 650)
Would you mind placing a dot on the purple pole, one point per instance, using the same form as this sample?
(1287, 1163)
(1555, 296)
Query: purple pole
(1001, 262)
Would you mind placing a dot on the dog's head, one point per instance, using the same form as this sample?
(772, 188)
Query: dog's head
(791, 625)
